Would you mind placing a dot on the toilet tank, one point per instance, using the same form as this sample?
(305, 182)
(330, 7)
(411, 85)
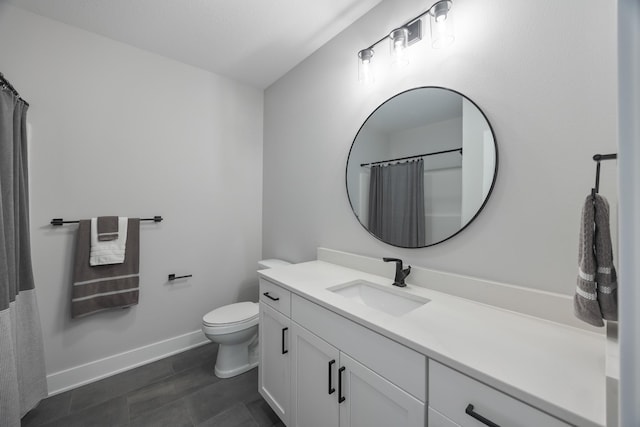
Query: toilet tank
(271, 263)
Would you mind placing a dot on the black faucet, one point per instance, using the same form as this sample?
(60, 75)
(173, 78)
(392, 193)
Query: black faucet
(400, 273)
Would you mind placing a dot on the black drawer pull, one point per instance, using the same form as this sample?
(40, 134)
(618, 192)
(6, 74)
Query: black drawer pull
(469, 411)
(332, 389)
(341, 398)
(284, 350)
(266, 294)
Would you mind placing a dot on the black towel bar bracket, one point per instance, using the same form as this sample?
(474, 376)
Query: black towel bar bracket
(60, 221)
(597, 158)
(174, 277)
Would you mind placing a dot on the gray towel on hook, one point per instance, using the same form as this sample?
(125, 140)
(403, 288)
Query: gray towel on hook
(596, 295)
(107, 228)
(585, 300)
(606, 279)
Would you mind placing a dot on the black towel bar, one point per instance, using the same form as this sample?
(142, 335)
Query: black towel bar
(60, 221)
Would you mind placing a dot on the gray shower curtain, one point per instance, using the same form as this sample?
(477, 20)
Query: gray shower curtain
(22, 373)
(396, 203)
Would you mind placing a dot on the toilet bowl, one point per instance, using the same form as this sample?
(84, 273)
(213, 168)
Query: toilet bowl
(234, 328)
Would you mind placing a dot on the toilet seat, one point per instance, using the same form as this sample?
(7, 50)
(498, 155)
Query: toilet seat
(231, 318)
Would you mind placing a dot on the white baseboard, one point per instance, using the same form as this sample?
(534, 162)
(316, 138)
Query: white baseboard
(77, 376)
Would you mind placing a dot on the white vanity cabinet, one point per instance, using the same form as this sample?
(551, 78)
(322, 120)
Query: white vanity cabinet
(486, 366)
(274, 372)
(458, 400)
(329, 388)
(341, 373)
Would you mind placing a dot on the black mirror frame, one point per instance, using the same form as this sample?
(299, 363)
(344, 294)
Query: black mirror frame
(484, 202)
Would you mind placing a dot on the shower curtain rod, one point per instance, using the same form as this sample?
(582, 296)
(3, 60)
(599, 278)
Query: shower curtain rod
(597, 158)
(412, 157)
(60, 221)
(4, 82)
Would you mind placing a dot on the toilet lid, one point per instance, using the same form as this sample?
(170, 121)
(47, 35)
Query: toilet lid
(232, 313)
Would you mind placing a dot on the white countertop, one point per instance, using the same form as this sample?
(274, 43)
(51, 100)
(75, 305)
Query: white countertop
(555, 368)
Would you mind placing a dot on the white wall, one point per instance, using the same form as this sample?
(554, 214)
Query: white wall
(436, 136)
(474, 170)
(372, 146)
(119, 131)
(543, 73)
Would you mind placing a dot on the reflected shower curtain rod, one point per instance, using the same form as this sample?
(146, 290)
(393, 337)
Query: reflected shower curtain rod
(412, 157)
(4, 82)
(60, 221)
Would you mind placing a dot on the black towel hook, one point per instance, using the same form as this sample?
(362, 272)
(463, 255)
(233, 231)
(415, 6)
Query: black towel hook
(597, 158)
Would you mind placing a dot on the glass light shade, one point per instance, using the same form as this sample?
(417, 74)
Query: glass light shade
(365, 71)
(398, 40)
(441, 20)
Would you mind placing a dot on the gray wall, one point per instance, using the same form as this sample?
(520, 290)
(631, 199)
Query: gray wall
(543, 73)
(119, 131)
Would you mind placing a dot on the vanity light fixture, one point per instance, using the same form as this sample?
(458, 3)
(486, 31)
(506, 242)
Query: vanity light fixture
(399, 40)
(441, 25)
(408, 34)
(365, 73)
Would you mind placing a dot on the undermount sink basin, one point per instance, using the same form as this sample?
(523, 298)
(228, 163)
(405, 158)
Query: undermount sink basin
(390, 301)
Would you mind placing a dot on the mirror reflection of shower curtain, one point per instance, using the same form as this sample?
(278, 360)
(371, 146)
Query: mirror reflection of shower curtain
(396, 203)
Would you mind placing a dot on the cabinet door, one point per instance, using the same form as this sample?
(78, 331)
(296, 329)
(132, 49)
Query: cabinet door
(372, 401)
(274, 381)
(314, 380)
(436, 419)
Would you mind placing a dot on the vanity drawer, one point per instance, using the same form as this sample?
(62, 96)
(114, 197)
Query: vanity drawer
(276, 297)
(451, 393)
(400, 365)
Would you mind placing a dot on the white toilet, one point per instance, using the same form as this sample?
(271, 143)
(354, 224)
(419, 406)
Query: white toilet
(235, 328)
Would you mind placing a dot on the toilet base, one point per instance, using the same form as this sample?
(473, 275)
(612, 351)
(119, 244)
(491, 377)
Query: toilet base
(235, 359)
(236, 371)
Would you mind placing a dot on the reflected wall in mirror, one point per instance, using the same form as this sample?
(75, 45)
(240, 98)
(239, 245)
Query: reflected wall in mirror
(421, 167)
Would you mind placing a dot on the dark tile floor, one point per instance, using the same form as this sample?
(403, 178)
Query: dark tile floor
(180, 390)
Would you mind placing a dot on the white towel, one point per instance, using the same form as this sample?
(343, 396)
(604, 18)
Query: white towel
(111, 251)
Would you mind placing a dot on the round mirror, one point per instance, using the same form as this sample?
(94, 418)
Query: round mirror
(421, 167)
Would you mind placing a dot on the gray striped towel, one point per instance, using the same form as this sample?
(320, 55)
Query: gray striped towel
(606, 279)
(596, 289)
(104, 287)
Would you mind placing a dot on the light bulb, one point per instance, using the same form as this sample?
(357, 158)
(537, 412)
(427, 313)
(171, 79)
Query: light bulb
(398, 44)
(365, 68)
(441, 24)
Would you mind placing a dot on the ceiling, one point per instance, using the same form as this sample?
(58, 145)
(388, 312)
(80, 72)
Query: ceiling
(252, 41)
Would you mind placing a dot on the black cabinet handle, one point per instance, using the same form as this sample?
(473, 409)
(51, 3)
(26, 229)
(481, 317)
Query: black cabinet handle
(469, 411)
(266, 294)
(332, 389)
(341, 398)
(284, 350)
